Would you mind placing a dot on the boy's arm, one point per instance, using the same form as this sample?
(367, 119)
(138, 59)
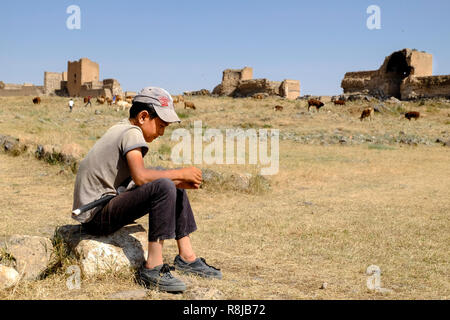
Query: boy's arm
(185, 177)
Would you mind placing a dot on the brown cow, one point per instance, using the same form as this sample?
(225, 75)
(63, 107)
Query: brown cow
(129, 100)
(85, 100)
(101, 100)
(339, 102)
(109, 101)
(258, 96)
(412, 114)
(316, 103)
(36, 100)
(278, 108)
(188, 104)
(367, 113)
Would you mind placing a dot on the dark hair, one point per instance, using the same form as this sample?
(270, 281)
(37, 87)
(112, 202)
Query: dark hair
(140, 106)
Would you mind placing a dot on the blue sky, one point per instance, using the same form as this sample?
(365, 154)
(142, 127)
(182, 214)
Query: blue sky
(185, 45)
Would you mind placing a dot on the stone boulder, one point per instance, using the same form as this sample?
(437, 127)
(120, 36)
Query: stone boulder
(8, 277)
(11, 145)
(30, 253)
(126, 247)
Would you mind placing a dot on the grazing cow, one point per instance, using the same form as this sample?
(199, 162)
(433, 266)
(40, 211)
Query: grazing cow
(36, 100)
(188, 104)
(258, 96)
(85, 100)
(412, 114)
(101, 100)
(123, 105)
(109, 101)
(367, 113)
(278, 108)
(316, 103)
(339, 102)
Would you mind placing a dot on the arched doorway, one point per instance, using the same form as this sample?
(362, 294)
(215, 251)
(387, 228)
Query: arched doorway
(397, 69)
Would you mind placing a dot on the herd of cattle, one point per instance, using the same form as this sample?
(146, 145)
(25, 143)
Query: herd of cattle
(127, 102)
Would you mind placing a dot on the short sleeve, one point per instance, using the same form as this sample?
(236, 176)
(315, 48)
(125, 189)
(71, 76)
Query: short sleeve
(133, 139)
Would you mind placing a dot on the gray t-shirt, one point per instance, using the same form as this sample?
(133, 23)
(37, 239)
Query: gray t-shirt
(105, 167)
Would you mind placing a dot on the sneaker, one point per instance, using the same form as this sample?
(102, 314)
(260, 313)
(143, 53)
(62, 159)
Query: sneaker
(198, 267)
(161, 278)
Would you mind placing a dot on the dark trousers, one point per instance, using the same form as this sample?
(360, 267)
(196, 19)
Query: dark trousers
(169, 211)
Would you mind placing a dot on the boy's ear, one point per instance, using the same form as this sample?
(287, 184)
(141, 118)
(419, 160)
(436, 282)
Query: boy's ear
(142, 115)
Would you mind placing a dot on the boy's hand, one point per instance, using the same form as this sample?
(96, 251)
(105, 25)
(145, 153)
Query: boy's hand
(192, 175)
(186, 185)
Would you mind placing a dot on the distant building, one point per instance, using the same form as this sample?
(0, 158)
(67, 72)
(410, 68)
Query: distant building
(80, 80)
(240, 83)
(405, 74)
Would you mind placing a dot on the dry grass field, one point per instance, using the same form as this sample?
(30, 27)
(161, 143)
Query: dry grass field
(348, 194)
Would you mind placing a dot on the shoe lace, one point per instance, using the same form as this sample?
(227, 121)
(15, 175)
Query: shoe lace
(165, 270)
(204, 261)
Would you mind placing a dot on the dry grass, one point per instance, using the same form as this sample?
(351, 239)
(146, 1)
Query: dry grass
(330, 212)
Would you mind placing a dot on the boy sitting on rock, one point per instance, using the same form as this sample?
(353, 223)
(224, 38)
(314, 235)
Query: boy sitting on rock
(116, 157)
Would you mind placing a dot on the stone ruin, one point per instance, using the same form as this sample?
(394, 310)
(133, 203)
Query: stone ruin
(80, 80)
(240, 83)
(405, 75)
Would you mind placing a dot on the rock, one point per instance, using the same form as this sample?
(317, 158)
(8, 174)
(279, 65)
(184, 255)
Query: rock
(126, 247)
(11, 145)
(138, 294)
(446, 144)
(324, 286)
(210, 177)
(241, 181)
(31, 254)
(8, 277)
(393, 100)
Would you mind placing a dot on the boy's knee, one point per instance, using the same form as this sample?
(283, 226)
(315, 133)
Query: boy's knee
(166, 186)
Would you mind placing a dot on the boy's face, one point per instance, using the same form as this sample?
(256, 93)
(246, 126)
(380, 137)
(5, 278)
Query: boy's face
(152, 128)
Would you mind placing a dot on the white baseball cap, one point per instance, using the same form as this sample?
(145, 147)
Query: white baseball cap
(161, 100)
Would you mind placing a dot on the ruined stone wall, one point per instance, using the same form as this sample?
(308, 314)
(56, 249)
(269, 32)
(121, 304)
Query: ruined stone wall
(86, 92)
(19, 90)
(425, 87)
(114, 86)
(250, 87)
(388, 79)
(290, 89)
(422, 63)
(52, 82)
(230, 80)
(130, 93)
